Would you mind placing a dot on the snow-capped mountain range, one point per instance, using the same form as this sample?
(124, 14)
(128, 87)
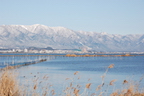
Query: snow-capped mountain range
(62, 38)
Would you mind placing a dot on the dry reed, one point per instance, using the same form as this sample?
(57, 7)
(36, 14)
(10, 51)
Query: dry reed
(9, 86)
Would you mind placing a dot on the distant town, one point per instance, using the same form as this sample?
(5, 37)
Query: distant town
(41, 50)
(51, 50)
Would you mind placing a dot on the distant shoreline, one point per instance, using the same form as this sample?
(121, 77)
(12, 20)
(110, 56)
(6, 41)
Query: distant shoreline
(77, 55)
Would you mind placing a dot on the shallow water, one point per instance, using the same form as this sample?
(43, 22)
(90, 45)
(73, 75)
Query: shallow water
(59, 68)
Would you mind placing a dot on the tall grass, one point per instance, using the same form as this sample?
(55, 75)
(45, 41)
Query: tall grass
(10, 86)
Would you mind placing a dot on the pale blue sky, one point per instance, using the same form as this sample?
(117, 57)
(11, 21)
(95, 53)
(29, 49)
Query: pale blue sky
(111, 16)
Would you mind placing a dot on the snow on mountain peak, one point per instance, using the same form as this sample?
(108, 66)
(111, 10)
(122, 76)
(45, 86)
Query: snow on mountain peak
(103, 33)
(61, 38)
(36, 25)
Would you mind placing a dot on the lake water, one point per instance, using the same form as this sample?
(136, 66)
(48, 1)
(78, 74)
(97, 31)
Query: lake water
(90, 69)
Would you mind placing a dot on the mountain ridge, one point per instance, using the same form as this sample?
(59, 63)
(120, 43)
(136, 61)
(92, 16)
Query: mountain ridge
(38, 35)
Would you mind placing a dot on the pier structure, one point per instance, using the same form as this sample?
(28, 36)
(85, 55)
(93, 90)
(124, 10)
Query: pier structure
(21, 60)
(24, 59)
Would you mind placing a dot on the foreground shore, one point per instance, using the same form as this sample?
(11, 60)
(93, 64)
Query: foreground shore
(10, 86)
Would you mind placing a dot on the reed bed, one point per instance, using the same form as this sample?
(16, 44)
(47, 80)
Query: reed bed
(80, 55)
(11, 86)
(8, 84)
(92, 55)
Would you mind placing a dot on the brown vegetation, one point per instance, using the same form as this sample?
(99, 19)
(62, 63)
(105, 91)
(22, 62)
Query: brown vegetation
(9, 86)
(91, 55)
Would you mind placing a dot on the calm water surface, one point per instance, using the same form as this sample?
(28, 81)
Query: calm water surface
(90, 71)
(60, 68)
